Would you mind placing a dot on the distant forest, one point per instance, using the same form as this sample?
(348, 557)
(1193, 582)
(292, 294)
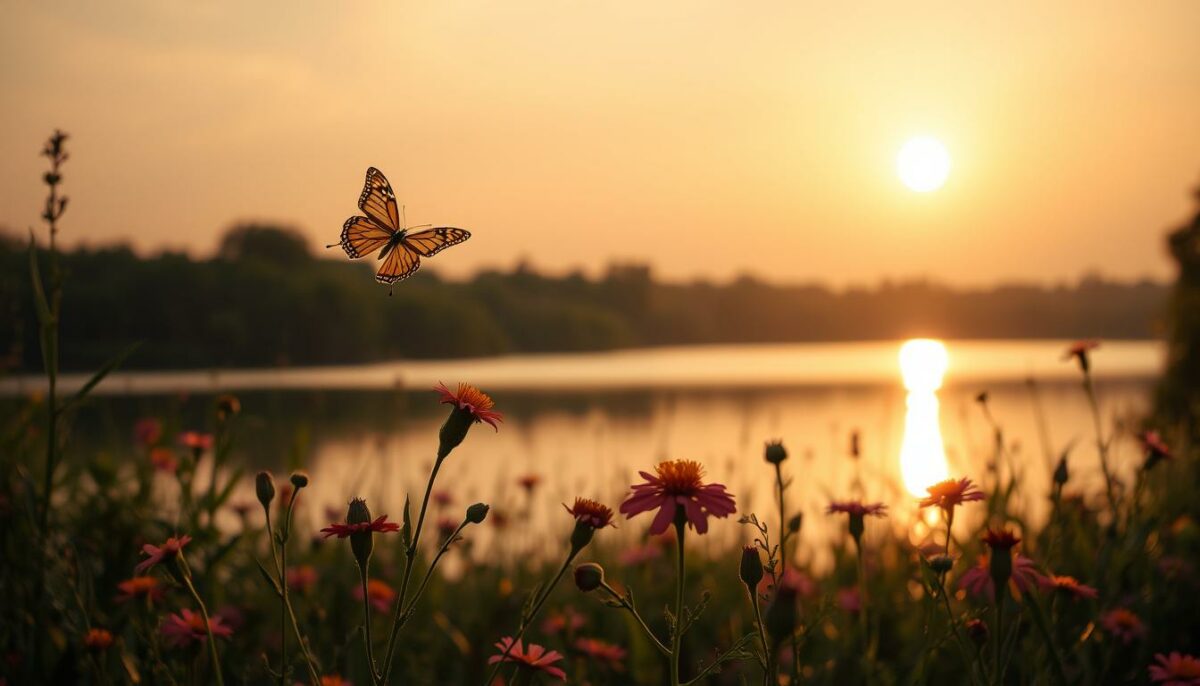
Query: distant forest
(266, 299)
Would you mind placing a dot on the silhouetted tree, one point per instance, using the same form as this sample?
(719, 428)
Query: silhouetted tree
(1179, 392)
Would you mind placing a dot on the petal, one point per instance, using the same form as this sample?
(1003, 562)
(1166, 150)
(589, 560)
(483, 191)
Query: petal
(695, 515)
(663, 519)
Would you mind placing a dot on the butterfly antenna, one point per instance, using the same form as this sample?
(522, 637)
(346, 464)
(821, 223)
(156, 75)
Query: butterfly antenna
(332, 245)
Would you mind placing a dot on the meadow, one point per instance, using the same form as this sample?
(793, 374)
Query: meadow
(147, 565)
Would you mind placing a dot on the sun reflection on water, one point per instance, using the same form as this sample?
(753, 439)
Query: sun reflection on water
(923, 363)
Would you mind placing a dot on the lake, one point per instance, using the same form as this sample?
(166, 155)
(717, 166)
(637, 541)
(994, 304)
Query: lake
(586, 423)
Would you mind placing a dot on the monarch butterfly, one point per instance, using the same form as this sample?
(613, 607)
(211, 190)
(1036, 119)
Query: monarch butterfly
(383, 227)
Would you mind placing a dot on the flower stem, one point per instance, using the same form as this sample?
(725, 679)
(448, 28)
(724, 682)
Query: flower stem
(410, 558)
(1044, 628)
(429, 573)
(212, 642)
(768, 660)
(528, 619)
(997, 674)
(1101, 446)
(633, 611)
(783, 532)
(362, 577)
(680, 572)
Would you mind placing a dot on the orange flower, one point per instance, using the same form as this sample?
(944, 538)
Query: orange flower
(951, 493)
(1079, 350)
(197, 441)
(379, 593)
(590, 512)
(677, 485)
(144, 586)
(163, 459)
(1123, 625)
(473, 401)
(334, 680)
(98, 640)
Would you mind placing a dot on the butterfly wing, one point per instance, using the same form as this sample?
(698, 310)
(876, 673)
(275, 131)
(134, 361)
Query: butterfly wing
(399, 264)
(432, 241)
(361, 237)
(378, 201)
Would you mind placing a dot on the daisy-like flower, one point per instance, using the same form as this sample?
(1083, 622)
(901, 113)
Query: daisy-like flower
(379, 593)
(1068, 585)
(470, 406)
(198, 442)
(163, 459)
(167, 552)
(535, 659)
(98, 640)
(1079, 350)
(950, 494)
(1175, 669)
(361, 530)
(978, 580)
(188, 627)
(147, 431)
(1156, 448)
(855, 508)
(677, 485)
(1000, 539)
(608, 654)
(562, 621)
(302, 578)
(147, 587)
(591, 513)
(1123, 625)
(379, 525)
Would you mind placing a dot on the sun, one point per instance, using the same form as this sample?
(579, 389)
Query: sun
(923, 164)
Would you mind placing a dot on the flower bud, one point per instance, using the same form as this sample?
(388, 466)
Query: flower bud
(361, 542)
(775, 452)
(1001, 541)
(1060, 472)
(977, 630)
(264, 488)
(477, 513)
(751, 570)
(941, 563)
(857, 526)
(454, 430)
(794, 522)
(227, 406)
(588, 576)
(299, 480)
(581, 535)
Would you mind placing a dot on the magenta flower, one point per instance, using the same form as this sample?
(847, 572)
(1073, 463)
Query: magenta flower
(1068, 585)
(1123, 625)
(380, 526)
(613, 656)
(188, 627)
(158, 554)
(536, 659)
(1175, 669)
(591, 512)
(147, 431)
(978, 580)
(677, 485)
(856, 508)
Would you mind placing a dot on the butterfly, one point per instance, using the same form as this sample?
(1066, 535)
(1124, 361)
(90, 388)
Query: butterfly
(383, 227)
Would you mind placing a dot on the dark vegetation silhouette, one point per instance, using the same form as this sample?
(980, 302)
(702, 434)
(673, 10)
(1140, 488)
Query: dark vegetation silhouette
(1179, 390)
(266, 298)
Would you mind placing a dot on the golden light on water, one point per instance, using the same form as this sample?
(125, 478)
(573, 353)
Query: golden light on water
(923, 363)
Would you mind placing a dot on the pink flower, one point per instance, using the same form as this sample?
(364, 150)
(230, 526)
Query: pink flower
(302, 578)
(1123, 625)
(188, 627)
(677, 485)
(536, 659)
(147, 431)
(1067, 585)
(558, 622)
(856, 508)
(379, 593)
(473, 401)
(198, 442)
(1156, 448)
(158, 554)
(1175, 669)
(442, 498)
(978, 580)
(590, 512)
(613, 656)
(950, 494)
(849, 600)
(794, 581)
(640, 554)
(380, 526)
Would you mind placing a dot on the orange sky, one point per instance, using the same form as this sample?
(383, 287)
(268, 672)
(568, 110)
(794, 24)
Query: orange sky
(707, 138)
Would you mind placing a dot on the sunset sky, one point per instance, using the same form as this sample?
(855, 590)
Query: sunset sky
(706, 138)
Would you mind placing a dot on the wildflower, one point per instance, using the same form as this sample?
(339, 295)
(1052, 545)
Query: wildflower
(264, 488)
(188, 627)
(1068, 585)
(978, 580)
(1001, 541)
(158, 554)
(1079, 350)
(1156, 448)
(849, 600)
(613, 656)
(639, 554)
(535, 659)
(198, 442)
(471, 406)
(857, 511)
(1123, 625)
(163, 459)
(675, 487)
(560, 621)
(477, 513)
(359, 527)
(147, 587)
(299, 480)
(334, 680)
(302, 578)
(98, 640)
(589, 515)
(529, 482)
(379, 593)
(1061, 474)
(774, 452)
(781, 615)
(950, 494)
(589, 576)
(1175, 669)
(446, 527)
(750, 571)
(147, 431)
(442, 498)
